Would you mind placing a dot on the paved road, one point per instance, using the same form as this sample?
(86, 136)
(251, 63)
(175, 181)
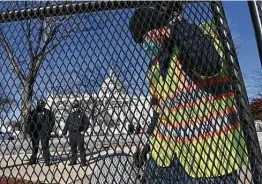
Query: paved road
(59, 172)
(98, 148)
(62, 144)
(57, 145)
(15, 157)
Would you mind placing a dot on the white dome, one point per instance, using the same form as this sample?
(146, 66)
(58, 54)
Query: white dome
(111, 88)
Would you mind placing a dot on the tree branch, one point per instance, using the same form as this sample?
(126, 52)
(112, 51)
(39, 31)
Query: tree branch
(50, 37)
(40, 35)
(52, 33)
(46, 50)
(11, 57)
(27, 33)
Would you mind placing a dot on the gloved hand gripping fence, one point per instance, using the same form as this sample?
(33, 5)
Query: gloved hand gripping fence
(153, 123)
(140, 156)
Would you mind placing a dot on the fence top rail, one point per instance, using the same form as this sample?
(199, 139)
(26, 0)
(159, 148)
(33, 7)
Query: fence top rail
(68, 8)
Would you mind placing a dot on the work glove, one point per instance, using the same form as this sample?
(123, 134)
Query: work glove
(151, 128)
(153, 123)
(140, 157)
(64, 133)
(144, 152)
(137, 160)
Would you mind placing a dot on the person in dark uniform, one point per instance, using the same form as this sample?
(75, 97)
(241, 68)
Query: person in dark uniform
(40, 124)
(76, 124)
(131, 128)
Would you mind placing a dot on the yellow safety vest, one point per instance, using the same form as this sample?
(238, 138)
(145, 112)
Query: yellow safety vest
(195, 126)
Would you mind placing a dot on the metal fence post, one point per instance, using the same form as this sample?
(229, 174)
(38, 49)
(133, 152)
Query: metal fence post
(254, 12)
(247, 122)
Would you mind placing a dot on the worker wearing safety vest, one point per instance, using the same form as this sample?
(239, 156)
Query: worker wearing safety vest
(197, 137)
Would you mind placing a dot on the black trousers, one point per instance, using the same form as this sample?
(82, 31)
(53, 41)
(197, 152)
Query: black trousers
(44, 138)
(77, 140)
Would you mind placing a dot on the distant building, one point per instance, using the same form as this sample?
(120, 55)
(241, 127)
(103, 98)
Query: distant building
(114, 108)
(13, 127)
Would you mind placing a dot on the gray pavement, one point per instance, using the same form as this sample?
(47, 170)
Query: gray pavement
(16, 155)
(59, 172)
(18, 146)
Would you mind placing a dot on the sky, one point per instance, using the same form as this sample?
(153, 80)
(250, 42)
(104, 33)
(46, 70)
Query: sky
(241, 27)
(91, 53)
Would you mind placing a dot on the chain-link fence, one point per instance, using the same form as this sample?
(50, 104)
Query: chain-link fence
(123, 92)
(255, 8)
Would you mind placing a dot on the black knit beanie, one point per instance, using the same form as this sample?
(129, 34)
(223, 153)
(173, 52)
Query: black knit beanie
(148, 18)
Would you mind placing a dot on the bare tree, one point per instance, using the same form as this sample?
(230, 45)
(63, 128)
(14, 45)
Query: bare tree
(5, 100)
(46, 41)
(4, 105)
(236, 37)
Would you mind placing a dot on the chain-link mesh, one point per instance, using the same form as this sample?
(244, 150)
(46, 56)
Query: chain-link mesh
(122, 92)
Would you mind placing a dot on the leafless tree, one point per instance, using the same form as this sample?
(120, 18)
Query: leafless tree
(5, 100)
(39, 46)
(4, 105)
(236, 37)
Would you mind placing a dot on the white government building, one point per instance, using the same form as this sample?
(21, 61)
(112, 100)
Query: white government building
(115, 109)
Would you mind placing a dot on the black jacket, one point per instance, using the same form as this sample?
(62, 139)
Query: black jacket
(197, 54)
(197, 51)
(40, 121)
(76, 121)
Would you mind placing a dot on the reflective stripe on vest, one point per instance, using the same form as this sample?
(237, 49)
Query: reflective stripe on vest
(201, 128)
(195, 125)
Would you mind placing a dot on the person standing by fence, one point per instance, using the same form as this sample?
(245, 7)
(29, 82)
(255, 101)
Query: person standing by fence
(77, 124)
(197, 138)
(40, 124)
